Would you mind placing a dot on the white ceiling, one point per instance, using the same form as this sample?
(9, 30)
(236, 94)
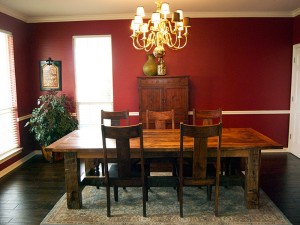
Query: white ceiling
(71, 10)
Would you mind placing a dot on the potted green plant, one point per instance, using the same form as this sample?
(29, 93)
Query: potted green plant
(52, 119)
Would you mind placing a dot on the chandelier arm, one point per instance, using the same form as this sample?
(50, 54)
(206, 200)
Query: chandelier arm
(135, 46)
(179, 46)
(172, 30)
(139, 40)
(170, 43)
(136, 42)
(151, 40)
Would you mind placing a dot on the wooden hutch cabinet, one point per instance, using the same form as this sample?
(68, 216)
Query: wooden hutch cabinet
(163, 94)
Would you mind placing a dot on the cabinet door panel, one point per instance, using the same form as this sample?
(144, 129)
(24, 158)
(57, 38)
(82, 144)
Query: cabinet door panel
(150, 98)
(176, 98)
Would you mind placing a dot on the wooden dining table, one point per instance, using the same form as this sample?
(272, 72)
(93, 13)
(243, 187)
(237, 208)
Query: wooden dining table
(80, 145)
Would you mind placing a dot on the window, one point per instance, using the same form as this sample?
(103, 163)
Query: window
(93, 78)
(9, 137)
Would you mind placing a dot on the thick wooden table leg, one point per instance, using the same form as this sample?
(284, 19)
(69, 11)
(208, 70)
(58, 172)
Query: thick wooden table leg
(72, 180)
(252, 172)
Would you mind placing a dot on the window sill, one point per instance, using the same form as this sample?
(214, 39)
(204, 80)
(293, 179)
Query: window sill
(8, 155)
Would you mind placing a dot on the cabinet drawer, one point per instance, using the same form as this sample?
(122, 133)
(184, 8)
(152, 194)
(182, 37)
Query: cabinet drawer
(163, 81)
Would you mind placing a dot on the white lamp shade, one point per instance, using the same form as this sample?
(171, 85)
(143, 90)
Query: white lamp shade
(140, 11)
(165, 9)
(134, 26)
(155, 17)
(138, 20)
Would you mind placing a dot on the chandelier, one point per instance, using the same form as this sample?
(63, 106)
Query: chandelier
(159, 30)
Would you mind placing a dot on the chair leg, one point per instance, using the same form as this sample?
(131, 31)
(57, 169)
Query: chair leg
(145, 194)
(102, 168)
(180, 200)
(217, 204)
(217, 199)
(116, 193)
(108, 200)
(209, 187)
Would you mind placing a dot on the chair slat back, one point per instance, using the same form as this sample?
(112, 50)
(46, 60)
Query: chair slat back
(207, 117)
(115, 117)
(200, 135)
(160, 118)
(122, 135)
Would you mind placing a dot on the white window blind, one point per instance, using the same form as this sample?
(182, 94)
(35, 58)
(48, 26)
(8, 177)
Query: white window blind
(93, 78)
(9, 137)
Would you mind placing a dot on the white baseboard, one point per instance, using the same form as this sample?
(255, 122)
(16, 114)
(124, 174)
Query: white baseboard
(19, 163)
(275, 150)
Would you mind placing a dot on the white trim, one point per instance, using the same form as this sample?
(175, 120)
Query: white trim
(12, 13)
(24, 118)
(252, 112)
(246, 112)
(26, 19)
(286, 150)
(237, 14)
(257, 112)
(133, 113)
(79, 18)
(8, 155)
(6, 32)
(296, 12)
(19, 163)
(129, 16)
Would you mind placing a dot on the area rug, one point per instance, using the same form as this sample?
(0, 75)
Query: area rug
(163, 208)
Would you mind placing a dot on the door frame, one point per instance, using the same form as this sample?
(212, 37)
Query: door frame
(293, 103)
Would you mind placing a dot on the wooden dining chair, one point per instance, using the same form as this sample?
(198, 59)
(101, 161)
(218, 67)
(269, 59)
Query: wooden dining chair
(207, 117)
(116, 118)
(229, 166)
(199, 176)
(123, 173)
(160, 120)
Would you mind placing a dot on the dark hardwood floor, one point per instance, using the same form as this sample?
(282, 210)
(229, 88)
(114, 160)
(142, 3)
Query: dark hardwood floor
(280, 179)
(29, 192)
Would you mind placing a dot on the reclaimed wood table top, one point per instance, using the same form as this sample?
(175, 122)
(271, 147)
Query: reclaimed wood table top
(84, 141)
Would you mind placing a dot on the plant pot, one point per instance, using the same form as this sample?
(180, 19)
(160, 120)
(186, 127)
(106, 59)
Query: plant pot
(47, 155)
(52, 156)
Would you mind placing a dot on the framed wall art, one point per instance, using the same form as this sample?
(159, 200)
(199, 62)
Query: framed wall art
(50, 75)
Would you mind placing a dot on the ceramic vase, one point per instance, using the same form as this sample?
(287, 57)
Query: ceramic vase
(150, 67)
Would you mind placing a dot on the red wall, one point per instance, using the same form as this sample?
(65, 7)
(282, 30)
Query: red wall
(296, 34)
(233, 63)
